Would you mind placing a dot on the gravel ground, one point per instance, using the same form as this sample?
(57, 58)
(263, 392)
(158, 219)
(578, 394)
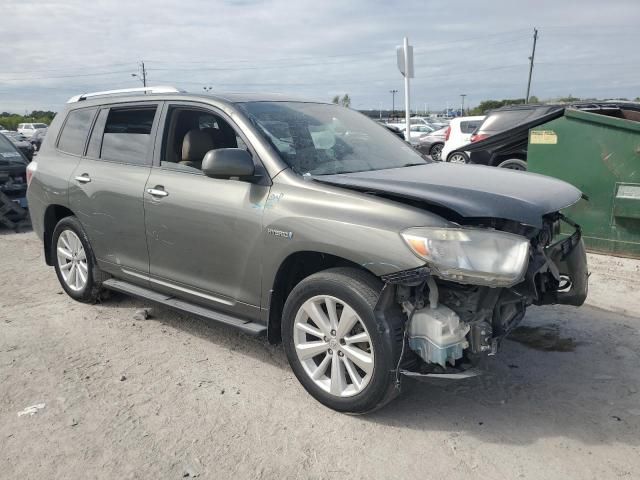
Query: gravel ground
(177, 397)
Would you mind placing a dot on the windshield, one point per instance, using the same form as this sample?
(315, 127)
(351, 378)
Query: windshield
(323, 139)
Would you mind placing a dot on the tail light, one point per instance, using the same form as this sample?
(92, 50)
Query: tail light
(476, 137)
(447, 133)
(31, 169)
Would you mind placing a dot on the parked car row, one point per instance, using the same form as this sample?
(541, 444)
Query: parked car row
(501, 138)
(27, 144)
(13, 172)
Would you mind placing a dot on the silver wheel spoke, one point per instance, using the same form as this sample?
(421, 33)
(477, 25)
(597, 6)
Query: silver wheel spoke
(338, 381)
(305, 327)
(322, 368)
(357, 338)
(65, 241)
(318, 317)
(72, 275)
(311, 349)
(356, 379)
(330, 303)
(359, 357)
(66, 266)
(65, 253)
(81, 275)
(347, 321)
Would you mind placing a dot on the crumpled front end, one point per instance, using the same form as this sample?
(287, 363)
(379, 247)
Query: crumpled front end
(451, 326)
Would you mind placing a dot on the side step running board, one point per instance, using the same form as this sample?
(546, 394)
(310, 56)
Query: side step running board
(246, 326)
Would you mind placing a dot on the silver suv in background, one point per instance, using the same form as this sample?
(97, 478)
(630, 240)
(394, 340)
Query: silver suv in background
(304, 221)
(28, 129)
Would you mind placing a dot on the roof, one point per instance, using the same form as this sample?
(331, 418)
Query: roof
(149, 93)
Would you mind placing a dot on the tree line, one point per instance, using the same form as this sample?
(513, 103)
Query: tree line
(10, 121)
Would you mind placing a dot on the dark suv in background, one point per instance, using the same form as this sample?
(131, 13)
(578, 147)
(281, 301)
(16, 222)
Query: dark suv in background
(503, 138)
(304, 221)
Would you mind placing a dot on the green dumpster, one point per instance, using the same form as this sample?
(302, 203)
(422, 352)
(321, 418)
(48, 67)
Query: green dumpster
(600, 155)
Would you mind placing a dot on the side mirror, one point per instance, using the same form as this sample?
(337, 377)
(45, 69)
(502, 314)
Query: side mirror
(227, 163)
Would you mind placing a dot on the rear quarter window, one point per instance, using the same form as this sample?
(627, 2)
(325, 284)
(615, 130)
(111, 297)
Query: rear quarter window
(470, 127)
(75, 130)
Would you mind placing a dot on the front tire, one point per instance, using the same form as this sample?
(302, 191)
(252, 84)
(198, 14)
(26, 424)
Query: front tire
(341, 353)
(74, 261)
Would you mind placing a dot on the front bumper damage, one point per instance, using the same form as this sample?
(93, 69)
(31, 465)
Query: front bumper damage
(557, 274)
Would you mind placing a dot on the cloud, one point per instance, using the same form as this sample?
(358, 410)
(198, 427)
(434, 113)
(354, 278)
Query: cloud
(319, 49)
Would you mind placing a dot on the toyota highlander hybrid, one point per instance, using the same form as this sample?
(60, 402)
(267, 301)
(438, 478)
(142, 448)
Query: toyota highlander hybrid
(304, 221)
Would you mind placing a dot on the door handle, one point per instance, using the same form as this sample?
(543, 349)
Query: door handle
(84, 178)
(157, 192)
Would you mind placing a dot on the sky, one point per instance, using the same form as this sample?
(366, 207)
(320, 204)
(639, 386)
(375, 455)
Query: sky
(53, 49)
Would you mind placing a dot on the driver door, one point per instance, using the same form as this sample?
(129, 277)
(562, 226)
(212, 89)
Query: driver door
(204, 235)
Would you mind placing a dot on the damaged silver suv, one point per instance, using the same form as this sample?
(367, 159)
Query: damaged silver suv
(306, 222)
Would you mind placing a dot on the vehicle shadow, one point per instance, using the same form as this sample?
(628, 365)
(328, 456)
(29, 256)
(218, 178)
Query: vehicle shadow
(589, 392)
(587, 388)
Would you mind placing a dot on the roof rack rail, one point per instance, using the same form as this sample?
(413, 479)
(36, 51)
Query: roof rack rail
(123, 91)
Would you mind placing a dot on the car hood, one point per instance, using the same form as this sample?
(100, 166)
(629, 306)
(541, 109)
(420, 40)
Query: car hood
(472, 191)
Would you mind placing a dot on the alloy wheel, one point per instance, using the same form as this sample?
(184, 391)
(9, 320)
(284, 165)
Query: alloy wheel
(458, 158)
(72, 260)
(436, 150)
(333, 346)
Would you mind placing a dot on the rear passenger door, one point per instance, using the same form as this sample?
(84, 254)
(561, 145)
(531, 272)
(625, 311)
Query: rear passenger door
(106, 188)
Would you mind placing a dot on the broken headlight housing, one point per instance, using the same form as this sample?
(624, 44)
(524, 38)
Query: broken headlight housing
(471, 255)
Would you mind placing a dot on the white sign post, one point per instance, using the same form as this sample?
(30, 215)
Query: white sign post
(405, 65)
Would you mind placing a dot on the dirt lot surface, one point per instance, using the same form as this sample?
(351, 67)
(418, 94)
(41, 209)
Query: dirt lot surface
(177, 397)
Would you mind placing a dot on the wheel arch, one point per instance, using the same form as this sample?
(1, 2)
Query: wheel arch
(52, 215)
(293, 269)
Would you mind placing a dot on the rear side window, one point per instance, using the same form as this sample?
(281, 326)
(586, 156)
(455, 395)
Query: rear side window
(127, 135)
(75, 130)
(504, 120)
(470, 127)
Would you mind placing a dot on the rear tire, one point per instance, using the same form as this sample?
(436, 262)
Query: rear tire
(74, 261)
(365, 349)
(458, 157)
(436, 151)
(514, 164)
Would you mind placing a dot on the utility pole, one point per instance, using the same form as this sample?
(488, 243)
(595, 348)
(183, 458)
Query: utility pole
(533, 54)
(462, 95)
(393, 101)
(142, 74)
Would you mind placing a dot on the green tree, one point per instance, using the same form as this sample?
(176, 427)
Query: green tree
(336, 99)
(10, 121)
(346, 100)
(533, 99)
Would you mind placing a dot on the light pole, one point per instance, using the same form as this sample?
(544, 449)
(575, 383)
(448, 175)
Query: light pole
(462, 95)
(393, 101)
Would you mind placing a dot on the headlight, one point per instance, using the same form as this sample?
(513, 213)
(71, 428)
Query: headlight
(471, 255)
